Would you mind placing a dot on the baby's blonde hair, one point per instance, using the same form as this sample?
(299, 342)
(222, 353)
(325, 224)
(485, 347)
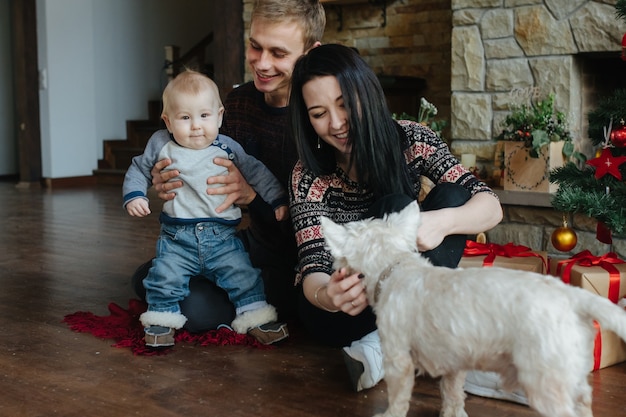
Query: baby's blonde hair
(189, 82)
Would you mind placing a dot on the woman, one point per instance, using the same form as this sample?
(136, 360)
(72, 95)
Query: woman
(356, 161)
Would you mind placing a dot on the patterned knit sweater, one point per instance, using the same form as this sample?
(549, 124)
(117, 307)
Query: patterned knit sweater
(342, 200)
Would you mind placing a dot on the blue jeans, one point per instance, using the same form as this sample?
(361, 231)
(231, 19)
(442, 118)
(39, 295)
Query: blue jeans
(208, 249)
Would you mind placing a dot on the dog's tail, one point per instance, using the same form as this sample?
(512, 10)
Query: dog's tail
(609, 315)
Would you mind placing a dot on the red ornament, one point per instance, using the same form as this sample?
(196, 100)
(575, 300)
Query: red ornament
(618, 137)
(624, 48)
(603, 233)
(607, 164)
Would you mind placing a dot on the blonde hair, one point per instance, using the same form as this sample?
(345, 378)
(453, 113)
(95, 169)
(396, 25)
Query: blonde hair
(189, 82)
(309, 14)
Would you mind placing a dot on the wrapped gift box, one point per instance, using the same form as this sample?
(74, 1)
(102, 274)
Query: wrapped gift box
(590, 272)
(478, 255)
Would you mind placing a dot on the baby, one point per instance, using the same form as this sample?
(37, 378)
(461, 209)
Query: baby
(196, 239)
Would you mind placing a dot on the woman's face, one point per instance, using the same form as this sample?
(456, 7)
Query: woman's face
(327, 113)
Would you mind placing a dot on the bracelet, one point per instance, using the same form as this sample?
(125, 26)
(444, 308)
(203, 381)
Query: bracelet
(317, 301)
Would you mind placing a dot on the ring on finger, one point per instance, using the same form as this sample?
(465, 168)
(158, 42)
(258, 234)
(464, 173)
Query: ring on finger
(352, 302)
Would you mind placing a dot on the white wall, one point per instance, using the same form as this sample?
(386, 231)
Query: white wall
(8, 148)
(103, 60)
(68, 111)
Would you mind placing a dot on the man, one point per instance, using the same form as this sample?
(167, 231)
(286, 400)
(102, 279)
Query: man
(256, 116)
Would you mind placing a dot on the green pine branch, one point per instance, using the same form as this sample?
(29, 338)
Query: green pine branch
(606, 208)
(603, 199)
(620, 9)
(580, 192)
(610, 108)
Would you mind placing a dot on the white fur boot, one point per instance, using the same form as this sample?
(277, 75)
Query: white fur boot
(160, 327)
(163, 318)
(253, 318)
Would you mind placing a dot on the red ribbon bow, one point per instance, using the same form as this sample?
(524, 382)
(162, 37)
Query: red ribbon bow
(607, 262)
(492, 250)
(597, 347)
(586, 259)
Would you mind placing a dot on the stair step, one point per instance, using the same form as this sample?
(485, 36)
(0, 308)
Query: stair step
(139, 131)
(118, 154)
(123, 156)
(110, 176)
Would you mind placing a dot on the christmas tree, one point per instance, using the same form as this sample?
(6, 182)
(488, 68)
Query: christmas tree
(597, 188)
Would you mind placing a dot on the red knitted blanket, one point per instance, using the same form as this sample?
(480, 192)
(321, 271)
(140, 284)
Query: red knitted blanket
(124, 327)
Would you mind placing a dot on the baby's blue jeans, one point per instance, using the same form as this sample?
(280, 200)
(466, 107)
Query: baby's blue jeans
(208, 249)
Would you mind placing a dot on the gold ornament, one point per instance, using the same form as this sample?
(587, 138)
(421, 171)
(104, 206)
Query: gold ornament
(598, 152)
(564, 237)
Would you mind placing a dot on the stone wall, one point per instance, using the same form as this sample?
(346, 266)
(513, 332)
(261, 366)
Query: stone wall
(478, 57)
(411, 39)
(505, 51)
(533, 227)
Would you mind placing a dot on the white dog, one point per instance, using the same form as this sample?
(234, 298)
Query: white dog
(532, 329)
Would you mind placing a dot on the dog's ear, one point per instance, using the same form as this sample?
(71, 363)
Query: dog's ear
(407, 220)
(334, 235)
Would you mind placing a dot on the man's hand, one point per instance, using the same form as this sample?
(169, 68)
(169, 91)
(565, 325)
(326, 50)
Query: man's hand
(281, 213)
(160, 179)
(233, 185)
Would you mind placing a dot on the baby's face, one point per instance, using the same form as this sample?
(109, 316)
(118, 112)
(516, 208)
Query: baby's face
(194, 119)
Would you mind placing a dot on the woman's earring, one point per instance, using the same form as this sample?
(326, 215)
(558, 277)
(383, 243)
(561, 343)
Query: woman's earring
(319, 145)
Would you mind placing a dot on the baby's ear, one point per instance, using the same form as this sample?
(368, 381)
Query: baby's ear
(334, 235)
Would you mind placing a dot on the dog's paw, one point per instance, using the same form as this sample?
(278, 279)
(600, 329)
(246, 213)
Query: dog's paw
(453, 412)
(388, 414)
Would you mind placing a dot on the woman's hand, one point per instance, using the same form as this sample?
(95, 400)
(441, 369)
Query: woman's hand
(347, 292)
(480, 213)
(160, 179)
(432, 230)
(233, 185)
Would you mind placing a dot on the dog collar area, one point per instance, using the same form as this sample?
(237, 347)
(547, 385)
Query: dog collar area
(382, 277)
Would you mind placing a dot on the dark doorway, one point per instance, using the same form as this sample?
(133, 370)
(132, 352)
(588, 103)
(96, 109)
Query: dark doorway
(602, 74)
(26, 90)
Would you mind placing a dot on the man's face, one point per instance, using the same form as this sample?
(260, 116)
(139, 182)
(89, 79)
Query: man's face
(273, 50)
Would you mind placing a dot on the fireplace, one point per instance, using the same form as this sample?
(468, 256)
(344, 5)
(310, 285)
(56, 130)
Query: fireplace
(505, 55)
(602, 74)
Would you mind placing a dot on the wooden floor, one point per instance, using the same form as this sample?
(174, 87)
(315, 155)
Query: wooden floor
(71, 250)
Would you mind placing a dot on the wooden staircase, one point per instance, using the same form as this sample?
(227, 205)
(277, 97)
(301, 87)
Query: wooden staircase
(119, 153)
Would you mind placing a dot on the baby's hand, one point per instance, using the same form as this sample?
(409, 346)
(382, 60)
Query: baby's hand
(138, 208)
(281, 213)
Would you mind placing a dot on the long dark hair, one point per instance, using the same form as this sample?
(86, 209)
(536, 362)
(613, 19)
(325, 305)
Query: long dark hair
(376, 138)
